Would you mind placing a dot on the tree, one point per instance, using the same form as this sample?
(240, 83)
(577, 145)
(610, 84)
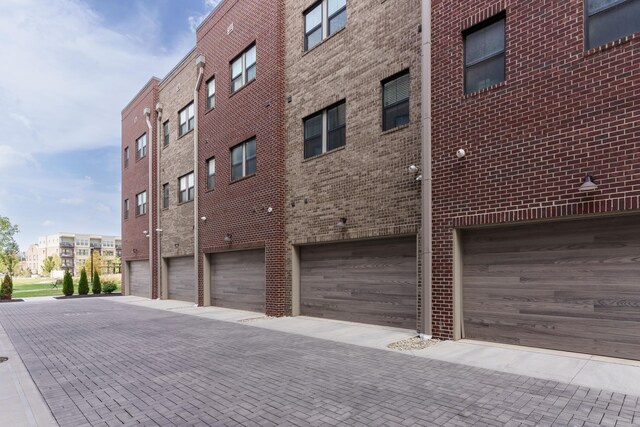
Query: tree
(6, 290)
(83, 284)
(97, 262)
(51, 263)
(67, 284)
(8, 246)
(9, 263)
(96, 287)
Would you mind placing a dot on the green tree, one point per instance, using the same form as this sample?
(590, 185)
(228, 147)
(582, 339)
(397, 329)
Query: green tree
(96, 260)
(67, 283)
(96, 287)
(83, 284)
(8, 246)
(6, 290)
(51, 263)
(9, 263)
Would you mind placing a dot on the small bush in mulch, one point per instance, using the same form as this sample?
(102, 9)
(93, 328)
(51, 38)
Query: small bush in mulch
(109, 287)
(96, 287)
(6, 289)
(67, 284)
(83, 284)
(119, 294)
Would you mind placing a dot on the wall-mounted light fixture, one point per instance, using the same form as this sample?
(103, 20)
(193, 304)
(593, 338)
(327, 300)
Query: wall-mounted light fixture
(413, 169)
(228, 238)
(588, 184)
(158, 230)
(176, 245)
(135, 251)
(145, 232)
(204, 218)
(342, 223)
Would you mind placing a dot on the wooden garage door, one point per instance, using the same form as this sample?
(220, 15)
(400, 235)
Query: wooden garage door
(139, 278)
(571, 286)
(368, 282)
(238, 280)
(181, 279)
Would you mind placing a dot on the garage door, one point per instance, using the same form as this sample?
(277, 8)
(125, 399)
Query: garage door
(571, 286)
(181, 279)
(139, 278)
(368, 282)
(238, 280)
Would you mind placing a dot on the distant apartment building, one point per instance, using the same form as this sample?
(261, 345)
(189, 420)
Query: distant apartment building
(74, 250)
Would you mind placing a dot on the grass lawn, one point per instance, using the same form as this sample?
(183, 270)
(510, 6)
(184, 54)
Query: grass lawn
(40, 287)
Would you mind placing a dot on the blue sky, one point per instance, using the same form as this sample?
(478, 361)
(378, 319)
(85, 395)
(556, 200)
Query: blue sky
(68, 69)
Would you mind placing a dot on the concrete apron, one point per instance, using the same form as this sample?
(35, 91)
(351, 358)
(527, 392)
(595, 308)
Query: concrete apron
(618, 375)
(20, 400)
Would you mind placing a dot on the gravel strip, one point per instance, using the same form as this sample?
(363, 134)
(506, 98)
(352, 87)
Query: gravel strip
(414, 343)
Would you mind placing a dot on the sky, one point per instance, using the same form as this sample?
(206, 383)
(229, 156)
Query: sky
(68, 68)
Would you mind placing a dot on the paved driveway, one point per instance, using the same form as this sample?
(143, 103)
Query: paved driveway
(101, 363)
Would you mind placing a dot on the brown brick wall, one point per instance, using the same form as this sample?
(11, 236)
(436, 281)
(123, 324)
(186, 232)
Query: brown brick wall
(240, 208)
(367, 181)
(561, 113)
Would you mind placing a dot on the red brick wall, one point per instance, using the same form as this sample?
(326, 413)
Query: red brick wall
(561, 113)
(135, 178)
(240, 208)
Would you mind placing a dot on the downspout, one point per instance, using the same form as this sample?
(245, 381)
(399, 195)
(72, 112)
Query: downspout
(150, 233)
(427, 207)
(159, 189)
(196, 224)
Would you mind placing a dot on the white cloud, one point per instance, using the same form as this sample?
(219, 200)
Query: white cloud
(48, 223)
(75, 201)
(195, 21)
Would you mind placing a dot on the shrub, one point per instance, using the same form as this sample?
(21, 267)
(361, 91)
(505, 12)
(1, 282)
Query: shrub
(83, 283)
(96, 288)
(67, 284)
(109, 287)
(6, 290)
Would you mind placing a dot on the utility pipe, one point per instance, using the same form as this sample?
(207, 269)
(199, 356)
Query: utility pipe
(160, 198)
(427, 206)
(150, 233)
(196, 99)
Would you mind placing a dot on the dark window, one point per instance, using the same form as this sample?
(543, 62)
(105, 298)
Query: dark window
(141, 147)
(325, 131)
(126, 157)
(186, 188)
(322, 20)
(141, 203)
(484, 54)
(211, 173)
(126, 208)
(165, 196)
(243, 68)
(211, 93)
(395, 94)
(610, 20)
(186, 119)
(165, 132)
(243, 159)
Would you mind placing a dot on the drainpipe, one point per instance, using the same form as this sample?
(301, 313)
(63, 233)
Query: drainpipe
(150, 233)
(427, 218)
(196, 224)
(159, 189)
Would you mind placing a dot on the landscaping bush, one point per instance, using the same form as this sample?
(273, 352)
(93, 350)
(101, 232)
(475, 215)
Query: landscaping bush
(67, 284)
(96, 288)
(83, 283)
(109, 287)
(7, 287)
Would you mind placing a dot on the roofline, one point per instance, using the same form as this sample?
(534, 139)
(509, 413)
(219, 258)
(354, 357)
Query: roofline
(205, 20)
(178, 65)
(151, 80)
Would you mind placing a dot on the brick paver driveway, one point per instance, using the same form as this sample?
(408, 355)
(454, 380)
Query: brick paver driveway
(99, 362)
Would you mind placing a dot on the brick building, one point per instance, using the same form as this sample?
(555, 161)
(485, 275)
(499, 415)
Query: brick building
(544, 98)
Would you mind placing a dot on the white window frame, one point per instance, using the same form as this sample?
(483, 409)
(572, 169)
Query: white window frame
(141, 203)
(211, 93)
(243, 58)
(186, 184)
(188, 117)
(141, 147)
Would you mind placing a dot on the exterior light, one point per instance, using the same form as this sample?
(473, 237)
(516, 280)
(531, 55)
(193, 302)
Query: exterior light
(158, 230)
(588, 184)
(342, 223)
(145, 232)
(419, 178)
(413, 169)
(228, 238)
(204, 218)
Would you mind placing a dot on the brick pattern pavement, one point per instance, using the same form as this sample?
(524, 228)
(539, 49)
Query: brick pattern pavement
(99, 363)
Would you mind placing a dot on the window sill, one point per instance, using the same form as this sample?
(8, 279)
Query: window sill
(184, 134)
(610, 45)
(166, 145)
(139, 215)
(185, 203)
(324, 41)
(324, 154)
(240, 90)
(395, 129)
(213, 108)
(243, 178)
(486, 89)
(141, 158)
(209, 190)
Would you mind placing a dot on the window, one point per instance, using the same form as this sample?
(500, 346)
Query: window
(141, 147)
(165, 196)
(243, 68)
(322, 20)
(186, 185)
(610, 20)
(395, 101)
(484, 54)
(126, 209)
(165, 132)
(141, 203)
(211, 173)
(186, 119)
(325, 131)
(211, 93)
(126, 157)
(243, 159)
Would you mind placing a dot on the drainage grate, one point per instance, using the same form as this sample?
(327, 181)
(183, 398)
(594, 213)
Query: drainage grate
(3, 359)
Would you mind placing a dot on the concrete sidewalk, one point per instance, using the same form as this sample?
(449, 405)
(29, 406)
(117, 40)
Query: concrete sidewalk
(618, 375)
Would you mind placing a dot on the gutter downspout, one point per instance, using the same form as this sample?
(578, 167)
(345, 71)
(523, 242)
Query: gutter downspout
(159, 209)
(150, 233)
(427, 206)
(196, 224)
